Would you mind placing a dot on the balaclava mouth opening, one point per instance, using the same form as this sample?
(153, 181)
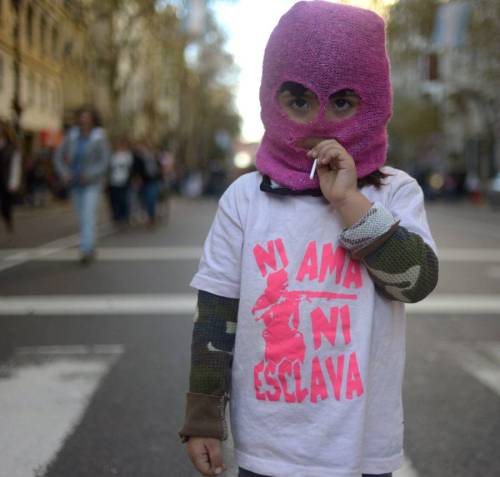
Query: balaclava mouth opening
(326, 47)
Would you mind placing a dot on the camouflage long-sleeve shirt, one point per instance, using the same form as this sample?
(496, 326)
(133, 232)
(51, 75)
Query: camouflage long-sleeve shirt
(403, 268)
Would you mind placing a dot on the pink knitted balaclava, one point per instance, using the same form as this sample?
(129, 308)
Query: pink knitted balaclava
(326, 47)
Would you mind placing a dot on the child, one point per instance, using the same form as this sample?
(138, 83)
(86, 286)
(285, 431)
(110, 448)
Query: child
(302, 281)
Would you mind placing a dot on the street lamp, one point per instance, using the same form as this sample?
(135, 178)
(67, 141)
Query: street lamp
(16, 100)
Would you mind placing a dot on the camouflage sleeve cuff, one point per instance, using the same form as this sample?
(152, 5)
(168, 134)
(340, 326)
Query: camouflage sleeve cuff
(205, 417)
(371, 231)
(404, 268)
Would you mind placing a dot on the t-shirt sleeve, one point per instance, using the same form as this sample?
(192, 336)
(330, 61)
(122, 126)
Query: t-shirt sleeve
(219, 271)
(406, 204)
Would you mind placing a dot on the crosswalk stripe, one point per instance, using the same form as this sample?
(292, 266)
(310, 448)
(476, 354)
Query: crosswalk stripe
(104, 253)
(43, 394)
(479, 359)
(61, 251)
(483, 255)
(185, 304)
(457, 304)
(98, 304)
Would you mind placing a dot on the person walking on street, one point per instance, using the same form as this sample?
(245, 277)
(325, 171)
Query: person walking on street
(147, 169)
(81, 161)
(120, 172)
(10, 173)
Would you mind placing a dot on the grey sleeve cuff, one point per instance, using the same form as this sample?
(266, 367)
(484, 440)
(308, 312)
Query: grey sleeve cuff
(374, 227)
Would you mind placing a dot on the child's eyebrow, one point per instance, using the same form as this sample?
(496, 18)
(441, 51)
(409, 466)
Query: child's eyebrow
(295, 89)
(345, 92)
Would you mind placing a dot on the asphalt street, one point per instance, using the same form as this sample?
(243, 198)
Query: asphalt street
(94, 360)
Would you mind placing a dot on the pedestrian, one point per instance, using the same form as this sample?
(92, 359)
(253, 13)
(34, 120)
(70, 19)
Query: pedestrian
(81, 161)
(36, 178)
(304, 275)
(10, 173)
(147, 169)
(119, 181)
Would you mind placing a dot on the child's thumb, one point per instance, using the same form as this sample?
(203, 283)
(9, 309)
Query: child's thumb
(216, 459)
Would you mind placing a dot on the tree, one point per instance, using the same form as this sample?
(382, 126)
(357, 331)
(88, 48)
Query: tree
(116, 27)
(159, 79)
(409, 28)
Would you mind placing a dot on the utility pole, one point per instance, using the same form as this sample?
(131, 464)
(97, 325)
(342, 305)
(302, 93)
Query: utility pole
(17, 109)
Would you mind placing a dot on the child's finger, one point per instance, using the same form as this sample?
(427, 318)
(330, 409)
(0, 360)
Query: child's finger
(325, 152)
(202, 464)
(323, 145)
(322, 170)
(199, 456)
(329, 157)
(215, 455)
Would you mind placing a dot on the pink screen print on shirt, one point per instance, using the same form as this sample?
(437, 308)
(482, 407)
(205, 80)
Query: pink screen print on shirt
(280, 376)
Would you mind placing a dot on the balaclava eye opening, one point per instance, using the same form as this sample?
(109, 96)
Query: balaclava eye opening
(325, 47)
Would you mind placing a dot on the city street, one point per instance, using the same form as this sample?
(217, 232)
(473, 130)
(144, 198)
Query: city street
(94, 360)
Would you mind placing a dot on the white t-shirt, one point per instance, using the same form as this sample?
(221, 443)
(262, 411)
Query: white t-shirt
(120, 164)
(319, 354)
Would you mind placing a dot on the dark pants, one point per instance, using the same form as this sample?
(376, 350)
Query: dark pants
(247, 473)
(149, 193)
(6, 203)
(120, 203)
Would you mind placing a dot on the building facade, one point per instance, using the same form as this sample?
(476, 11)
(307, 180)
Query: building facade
(49, 48)
(456, 72)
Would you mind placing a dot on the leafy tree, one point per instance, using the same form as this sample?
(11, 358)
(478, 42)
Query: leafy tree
(137, 42)
(115, 28)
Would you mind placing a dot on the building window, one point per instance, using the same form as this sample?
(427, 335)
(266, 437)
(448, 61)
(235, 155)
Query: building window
(43, 34)
(31, 90)
(41, 93)
(1, 72)
(55, 42)
(29, 25)
(54, 97)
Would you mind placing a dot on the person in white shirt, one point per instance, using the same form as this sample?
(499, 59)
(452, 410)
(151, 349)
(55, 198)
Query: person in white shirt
(307, 267)
(119, 181)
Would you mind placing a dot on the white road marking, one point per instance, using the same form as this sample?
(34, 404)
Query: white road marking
(12, 257)
(43, 394)
(105, 253)
(98, 304)
(480, 255)
(153, 304)
(71, 350)
(457, 304)
(61, 251)
(481, 360)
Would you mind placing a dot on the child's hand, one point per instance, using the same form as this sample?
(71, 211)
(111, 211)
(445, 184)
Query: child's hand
(206, 455)
(339, 181)
(336, 170)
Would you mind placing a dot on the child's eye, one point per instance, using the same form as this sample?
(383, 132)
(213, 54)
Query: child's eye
(299, 104)
(342, 104)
